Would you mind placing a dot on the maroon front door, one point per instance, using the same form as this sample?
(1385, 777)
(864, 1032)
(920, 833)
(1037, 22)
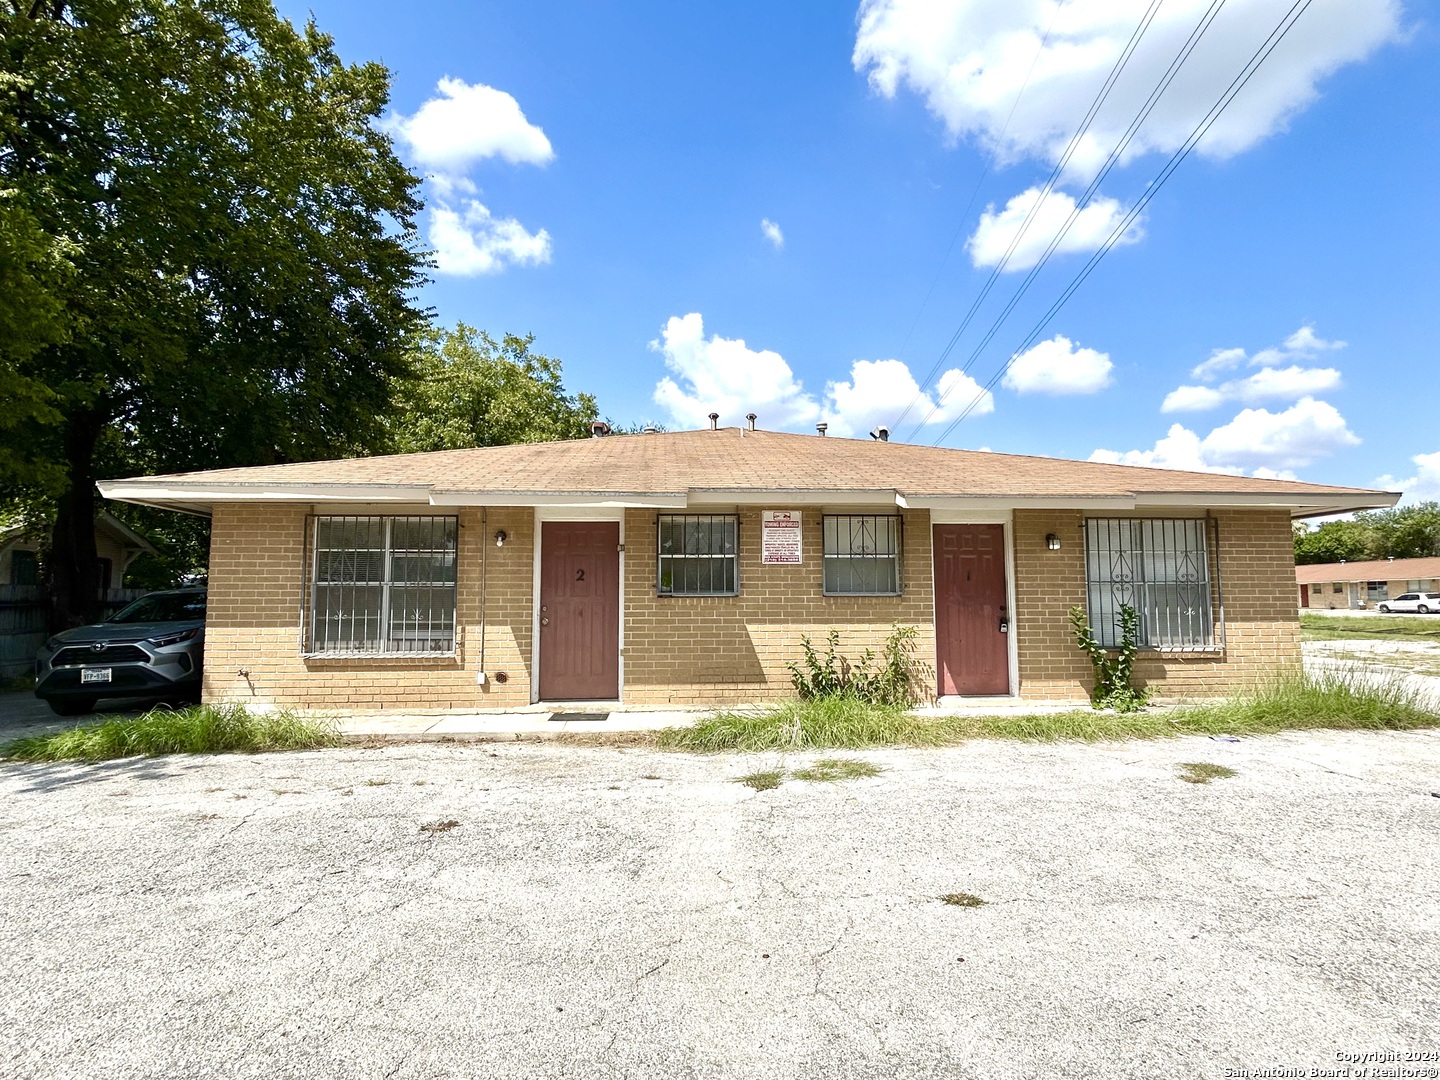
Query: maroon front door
(970, 617)
(579, 610)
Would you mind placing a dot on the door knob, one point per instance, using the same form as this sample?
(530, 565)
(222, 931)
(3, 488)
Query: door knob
(544, 622)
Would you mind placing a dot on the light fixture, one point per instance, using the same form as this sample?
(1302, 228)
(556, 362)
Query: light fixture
(1052, 542)
(501, 537)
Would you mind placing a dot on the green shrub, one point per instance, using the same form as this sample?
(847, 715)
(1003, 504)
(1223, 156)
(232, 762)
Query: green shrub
(201, 729)
(1114, 675)
(892, 678)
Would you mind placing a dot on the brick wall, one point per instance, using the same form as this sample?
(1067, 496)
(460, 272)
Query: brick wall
(1256, 573)
(700, 650)
(734, 648)
(253, 621)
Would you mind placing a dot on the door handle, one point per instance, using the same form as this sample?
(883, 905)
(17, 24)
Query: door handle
(1004, 626)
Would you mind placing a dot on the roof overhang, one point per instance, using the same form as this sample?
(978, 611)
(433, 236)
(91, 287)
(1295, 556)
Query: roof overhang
(664, 500)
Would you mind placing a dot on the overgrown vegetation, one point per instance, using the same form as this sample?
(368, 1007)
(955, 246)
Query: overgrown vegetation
(201, 729)
(823, 771)
(1202, 772)
(1114, 674)
(764, 780)
(891, 679)
(1291, 701)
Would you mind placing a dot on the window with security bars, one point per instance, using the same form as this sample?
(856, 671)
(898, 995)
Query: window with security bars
(1158, 566)
(698, 554)
(383, 585)
(862, 554)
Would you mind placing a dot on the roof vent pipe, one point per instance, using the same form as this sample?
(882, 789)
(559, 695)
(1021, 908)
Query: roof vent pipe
(881, 432)
(750, 416)
(714, 420)
(599, 428)
(820, 427)
(649, 429)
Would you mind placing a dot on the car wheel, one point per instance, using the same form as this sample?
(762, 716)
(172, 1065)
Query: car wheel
(1423, 609)
(75, 706)
(1384, 609)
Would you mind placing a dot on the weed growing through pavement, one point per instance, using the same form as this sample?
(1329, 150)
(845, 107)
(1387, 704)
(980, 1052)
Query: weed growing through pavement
(1202, 772)
(440, 826)
(829, 770)
(962, 899)
(764, 780)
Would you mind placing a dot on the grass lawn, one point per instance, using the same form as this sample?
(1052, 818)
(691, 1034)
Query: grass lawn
(1335, 700)
(200, 729)
(1376, 627)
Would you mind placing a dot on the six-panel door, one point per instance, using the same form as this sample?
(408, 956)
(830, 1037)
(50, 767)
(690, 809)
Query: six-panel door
(971, 622)
(579, 610)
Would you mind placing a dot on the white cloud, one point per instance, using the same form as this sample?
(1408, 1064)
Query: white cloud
(474, 241)
(1090, 229)
(968, 60)
(725, 375)
(468, 123)
(879, 390)
(771, 232)
(1058, 367)
(1270, 383)
(1424, 486)
(1256, 440)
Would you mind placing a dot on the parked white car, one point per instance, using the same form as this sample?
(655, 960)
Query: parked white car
(1422, 603)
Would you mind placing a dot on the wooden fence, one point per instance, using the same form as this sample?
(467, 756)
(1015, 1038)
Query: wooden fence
(22, 623)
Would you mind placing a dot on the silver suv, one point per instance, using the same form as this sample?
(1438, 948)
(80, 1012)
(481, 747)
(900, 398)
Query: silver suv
(153, 648)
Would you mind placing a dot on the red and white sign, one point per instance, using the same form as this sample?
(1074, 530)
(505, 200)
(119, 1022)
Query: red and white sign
(780, 537)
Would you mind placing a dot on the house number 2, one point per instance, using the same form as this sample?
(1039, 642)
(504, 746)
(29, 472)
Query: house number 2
(579, 575)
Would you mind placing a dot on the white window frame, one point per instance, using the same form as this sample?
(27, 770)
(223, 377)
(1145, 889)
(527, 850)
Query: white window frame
(387, 586)
(827, 555)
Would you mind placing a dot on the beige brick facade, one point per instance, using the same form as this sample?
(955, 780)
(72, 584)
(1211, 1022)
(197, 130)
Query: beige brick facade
(704, 650)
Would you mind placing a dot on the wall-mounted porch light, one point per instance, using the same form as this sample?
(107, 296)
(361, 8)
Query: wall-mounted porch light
(500, 537)
(1052, 542)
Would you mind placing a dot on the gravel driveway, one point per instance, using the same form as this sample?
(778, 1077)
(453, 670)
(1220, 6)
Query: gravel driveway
(609, 912)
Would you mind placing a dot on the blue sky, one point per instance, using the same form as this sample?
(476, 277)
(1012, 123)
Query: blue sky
(790, 208)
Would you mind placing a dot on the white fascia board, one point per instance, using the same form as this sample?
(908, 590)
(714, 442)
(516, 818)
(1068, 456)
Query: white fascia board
(792, 497)
(1005, 503)
(200, 493)
(612, 500)
(1300, 504)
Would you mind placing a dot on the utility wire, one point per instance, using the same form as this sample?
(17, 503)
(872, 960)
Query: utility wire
(965, 216)
(1034, 210)
(1261, 55)
(1111, 160)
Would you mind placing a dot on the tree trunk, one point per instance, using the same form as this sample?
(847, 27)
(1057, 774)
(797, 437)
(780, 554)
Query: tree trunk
(73, 564)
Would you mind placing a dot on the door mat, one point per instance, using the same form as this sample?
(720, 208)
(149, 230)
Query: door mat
(579, 716)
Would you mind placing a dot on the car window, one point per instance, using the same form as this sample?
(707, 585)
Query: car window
(163, 607)
(1407, 596)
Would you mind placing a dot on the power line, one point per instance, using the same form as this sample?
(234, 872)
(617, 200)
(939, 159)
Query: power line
(1261, 55)
(1111, 160)
(1049, 186)
(965, 214)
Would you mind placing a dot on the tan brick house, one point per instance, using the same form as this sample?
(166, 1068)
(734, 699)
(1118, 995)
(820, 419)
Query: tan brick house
(1366, 583)
(683, 568)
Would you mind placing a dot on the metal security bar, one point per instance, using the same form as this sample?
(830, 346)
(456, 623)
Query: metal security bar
(383, 585)
(862, 555)
(698, 554)
(1160, 567)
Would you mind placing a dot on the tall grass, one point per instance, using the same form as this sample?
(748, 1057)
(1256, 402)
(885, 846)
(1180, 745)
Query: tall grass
(1292, 701)
(201, 729)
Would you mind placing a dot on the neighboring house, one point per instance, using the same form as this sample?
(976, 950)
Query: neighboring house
(1365, 584)
(684, 567)
(116, 547)
(23, 602)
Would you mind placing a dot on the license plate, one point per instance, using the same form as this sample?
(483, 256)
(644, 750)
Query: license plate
(94, 674)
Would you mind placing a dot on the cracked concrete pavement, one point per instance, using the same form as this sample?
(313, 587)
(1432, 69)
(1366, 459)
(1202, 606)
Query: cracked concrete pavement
(625, 912)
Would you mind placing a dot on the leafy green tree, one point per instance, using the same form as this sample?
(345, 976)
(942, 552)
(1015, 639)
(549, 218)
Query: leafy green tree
(467, 389)
(219, 243)
(1402, 532)
(1331, 542)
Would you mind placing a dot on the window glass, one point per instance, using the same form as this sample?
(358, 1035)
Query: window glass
(383, 585)
(1160, 567)
(698, 554)
(862, 554)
